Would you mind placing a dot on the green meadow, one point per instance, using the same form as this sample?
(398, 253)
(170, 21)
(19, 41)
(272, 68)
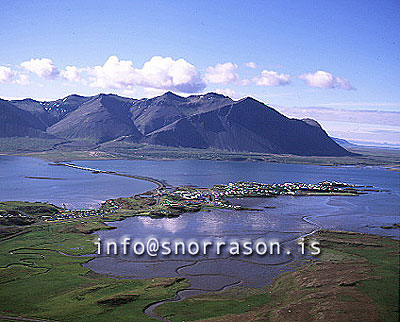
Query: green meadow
(41, 276)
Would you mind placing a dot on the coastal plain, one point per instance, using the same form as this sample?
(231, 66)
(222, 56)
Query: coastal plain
(67, 150)
(42, 276)
(44, 250)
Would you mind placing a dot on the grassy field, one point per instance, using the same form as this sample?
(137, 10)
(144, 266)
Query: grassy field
(58, 150)
(41, 276)
(32, 211)
(27, 145)
(355, 279)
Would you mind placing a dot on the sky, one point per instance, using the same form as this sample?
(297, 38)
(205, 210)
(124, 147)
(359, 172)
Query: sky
(335, 61)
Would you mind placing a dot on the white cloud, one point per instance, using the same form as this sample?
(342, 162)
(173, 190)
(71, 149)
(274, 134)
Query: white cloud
(153, 92)
(72, 73)
(23, 79)
(166, 73)
(222, 73)
(271, 78)
(324, 79)
(227, 92)
(9, 76)
(129, 92)
(363, 104)
(43, 67)
(344, 115)
(251, 64)
(159, 73)
(344, 83)
(352, 124)
(6, 74)
(114, 73)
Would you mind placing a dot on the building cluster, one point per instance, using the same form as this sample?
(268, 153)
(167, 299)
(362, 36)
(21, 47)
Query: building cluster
(110, 205)
(185, 199)
(7, 215)
(215, 196)
(208, 197)
(254, 189)
(73, 214)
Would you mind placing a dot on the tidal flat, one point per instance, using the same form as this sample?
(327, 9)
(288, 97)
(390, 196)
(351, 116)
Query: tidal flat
(58, 258)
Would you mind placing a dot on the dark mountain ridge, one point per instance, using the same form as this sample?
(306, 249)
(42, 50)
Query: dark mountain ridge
(15, 122)
(197, 121)
(154, 113)
(101, 118)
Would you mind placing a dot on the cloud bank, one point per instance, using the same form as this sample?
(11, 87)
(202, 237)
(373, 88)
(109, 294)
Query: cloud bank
(72, 74)
(251, 64)
(9, 76)
(271, 78)
(159, 73)
(6, 74)
(227, 92)
(222, 73)
(322, 79)
(43, 67)
(360, 126)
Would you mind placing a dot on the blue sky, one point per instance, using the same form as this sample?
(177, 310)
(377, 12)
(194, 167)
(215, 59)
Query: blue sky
(341, 55)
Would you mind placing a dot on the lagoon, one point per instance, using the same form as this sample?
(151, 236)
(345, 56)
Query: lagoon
(283, 219)
(83, 189)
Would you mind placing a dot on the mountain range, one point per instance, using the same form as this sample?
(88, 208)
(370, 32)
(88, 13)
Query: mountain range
(198, 121)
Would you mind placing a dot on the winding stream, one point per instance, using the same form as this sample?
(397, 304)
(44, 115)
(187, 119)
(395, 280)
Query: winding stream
(286, 219)
(182, 294)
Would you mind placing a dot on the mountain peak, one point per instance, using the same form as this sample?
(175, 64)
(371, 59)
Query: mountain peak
(249, 99)
(208, 120)
(311, 122)
(213, 94)
(171, 95)
(73, 96)
(106, 95)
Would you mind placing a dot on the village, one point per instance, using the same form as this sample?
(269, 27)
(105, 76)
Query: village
(162, 202)
(216, 196)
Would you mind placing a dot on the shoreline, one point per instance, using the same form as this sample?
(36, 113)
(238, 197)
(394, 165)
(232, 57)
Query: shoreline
(159, 184)
(283, 293)
(76, 150)
(75, 233)
(170, 300)
(329, 288)
(150, 309)
(384, 165)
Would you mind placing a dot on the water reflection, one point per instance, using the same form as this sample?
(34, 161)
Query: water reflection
(170, 225)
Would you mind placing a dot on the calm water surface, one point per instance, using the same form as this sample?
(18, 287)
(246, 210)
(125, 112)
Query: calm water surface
(284, 222)
(76, 189)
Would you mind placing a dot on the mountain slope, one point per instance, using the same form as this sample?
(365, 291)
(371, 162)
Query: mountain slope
(50, 112)
(180, 133)
(198, 121)
(102, 118)
(152, 114)
(15, 122)
(249, 125)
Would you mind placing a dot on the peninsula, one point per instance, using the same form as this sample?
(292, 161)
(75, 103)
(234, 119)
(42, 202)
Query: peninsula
(43, 248)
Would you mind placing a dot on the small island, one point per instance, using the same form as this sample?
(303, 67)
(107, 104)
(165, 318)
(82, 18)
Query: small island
(171, 202)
